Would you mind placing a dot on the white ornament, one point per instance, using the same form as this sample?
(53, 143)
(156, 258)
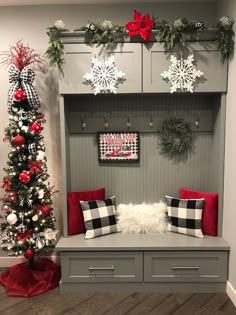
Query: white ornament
(35, 218)
(182, 74)
(50, 234)
(104, 76)
(40, 155)
(24, 128)
(12, 218)
(40, 193)
(59, 24)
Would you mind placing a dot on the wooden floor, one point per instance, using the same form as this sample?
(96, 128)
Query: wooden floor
(55, 303)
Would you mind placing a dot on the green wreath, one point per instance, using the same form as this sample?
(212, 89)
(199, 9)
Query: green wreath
(175, 137)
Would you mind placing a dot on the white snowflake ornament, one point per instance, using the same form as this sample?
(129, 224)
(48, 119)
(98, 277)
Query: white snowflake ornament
(182, 74)
(104, 76)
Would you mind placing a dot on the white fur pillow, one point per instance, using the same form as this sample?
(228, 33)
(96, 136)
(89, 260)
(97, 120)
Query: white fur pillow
(143, 218)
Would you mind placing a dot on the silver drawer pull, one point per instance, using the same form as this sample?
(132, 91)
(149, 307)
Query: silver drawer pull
(101, 268)
(185, 268)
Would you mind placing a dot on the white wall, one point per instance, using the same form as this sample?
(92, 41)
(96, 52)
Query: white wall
(30, 22)
(228, 8)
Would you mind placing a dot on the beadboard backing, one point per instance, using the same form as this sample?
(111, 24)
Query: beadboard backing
(148, 180)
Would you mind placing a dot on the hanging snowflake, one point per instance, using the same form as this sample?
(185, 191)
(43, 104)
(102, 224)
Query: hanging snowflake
(182, 74)
(104, 76)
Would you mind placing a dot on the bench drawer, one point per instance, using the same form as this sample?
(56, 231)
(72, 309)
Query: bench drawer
(187, 266)
(102, 266)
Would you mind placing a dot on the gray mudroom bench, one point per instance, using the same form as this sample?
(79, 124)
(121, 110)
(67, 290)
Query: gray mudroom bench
(167, 262)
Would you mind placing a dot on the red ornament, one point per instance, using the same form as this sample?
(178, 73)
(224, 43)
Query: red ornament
(46, 209)
(19, 95)
(19, 140)
(29, 253)
(142, 25)
(35, 127)
(24, 176)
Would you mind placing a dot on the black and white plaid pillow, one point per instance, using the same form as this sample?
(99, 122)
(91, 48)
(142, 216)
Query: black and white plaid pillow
(185, 216)
(99, 217)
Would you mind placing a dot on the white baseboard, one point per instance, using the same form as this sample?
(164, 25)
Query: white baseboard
(9, 261)
(231, 292)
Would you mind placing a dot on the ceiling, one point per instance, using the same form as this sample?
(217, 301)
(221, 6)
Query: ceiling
(38, 2)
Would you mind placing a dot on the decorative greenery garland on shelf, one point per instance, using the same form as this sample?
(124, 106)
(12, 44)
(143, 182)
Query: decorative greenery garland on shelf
(171, 34)
(175, 137)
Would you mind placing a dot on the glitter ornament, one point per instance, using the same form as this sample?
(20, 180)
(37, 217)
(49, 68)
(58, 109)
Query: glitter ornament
(19, 95)
(35, 127)
(24, 176)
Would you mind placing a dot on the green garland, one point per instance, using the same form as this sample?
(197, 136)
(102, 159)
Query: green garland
(105, 32)
(55, 49)
(175, 137)
(171, 34)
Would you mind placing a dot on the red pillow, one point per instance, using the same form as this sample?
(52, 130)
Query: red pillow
(74, 213)
(210, 209)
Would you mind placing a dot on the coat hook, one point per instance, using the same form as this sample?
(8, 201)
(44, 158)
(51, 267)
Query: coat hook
(128, 124)
(151, 123)
(83, 124)
(105, 123)
(197, 121)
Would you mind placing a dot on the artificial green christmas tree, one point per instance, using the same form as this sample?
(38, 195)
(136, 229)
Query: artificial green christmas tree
(28, 222)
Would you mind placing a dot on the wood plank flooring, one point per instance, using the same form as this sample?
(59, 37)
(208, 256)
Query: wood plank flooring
(55, 303)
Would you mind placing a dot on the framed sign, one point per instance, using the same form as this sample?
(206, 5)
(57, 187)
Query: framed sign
(118, 146)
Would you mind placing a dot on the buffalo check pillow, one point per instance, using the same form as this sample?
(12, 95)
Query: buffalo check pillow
(99, 217)
(185, 216)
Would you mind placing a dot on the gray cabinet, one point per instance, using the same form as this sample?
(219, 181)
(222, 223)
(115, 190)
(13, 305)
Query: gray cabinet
(207, 59)
(142, 65)
(78, 58)
(143, 262)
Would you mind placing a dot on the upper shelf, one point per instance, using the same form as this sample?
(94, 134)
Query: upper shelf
(82, 37)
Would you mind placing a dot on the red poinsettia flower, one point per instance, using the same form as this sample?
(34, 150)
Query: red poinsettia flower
(142, 25)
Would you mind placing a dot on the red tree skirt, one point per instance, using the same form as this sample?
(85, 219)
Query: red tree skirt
(20, 280)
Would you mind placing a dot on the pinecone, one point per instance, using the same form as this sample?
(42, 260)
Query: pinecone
(89, 28)
(199, 26)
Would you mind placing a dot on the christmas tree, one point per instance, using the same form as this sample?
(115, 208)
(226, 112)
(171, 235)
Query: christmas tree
(28, 223)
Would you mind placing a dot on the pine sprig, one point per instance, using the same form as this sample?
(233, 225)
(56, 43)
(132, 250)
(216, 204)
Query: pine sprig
(175, 137)
(104, 32)
(225, 37)
(176, 33)
(55, 51)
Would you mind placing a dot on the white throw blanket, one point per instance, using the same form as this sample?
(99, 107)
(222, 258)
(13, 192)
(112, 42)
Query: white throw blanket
(142, 218)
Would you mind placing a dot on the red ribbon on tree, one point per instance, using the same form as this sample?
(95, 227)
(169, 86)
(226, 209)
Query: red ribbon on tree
(6, 184)
(23, 236)
(34, 167)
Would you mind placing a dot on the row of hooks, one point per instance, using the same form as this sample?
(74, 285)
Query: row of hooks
(128, 123)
